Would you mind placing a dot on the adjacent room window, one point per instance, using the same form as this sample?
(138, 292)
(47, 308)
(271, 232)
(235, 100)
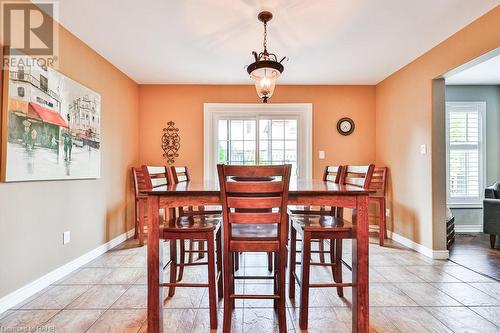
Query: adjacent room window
(256, 134)
(465, 153)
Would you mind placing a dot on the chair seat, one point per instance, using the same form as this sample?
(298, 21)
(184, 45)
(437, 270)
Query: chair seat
(197, 223)
(293, 210)
(321, 223)
(254, 231)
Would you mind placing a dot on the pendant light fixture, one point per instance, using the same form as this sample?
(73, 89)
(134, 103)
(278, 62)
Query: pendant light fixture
(266, 69)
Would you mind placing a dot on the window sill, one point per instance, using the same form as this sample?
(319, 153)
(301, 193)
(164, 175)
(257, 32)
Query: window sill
(465, 206)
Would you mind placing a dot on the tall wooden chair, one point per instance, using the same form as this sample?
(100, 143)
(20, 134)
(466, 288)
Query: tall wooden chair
(378, 183)
(254, 209)
(180, 174)
(331, 174)
(159, 177)
(201, 227)
(321, 227)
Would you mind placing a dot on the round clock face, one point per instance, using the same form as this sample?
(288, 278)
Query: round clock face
(345, 126)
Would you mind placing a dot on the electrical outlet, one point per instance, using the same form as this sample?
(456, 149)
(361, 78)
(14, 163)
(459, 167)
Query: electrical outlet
(66, 237)
(322, 154)
(387, 212)
(423, 149)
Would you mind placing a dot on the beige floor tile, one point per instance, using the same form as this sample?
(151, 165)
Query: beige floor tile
(465, 275)
(462, 319)
(57, 297)
(73, 321)
(414, 320)
(492, 289)
(378, 322)
(136, 297)
(238, 303)
(424, 294)
(184, 298)
(108, 260)
(263, 321)
(87, 276)
(466, 294)
(202, 321)
(431, 274)
(123, 276)
(397, 274)
(119, 321)
(178, 320)
(323, 320)
(98, 297)
(321, 297)
(491, 313)
(26, 320)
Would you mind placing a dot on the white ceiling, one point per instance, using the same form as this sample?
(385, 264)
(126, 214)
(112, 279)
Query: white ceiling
(484, 73)
(210, 41)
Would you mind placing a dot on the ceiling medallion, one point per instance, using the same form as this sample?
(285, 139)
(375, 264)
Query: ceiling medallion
(266, 69)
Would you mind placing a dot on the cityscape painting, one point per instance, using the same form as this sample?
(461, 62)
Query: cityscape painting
(51, 124)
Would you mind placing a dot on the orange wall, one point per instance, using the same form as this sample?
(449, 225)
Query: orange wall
(34, 215)
(404, 121)
(183, 104)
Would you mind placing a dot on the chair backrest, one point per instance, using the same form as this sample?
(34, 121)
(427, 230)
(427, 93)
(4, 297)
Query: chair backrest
(379, 180)
(139, 181)
(357, 175)
(179, 174)
(332, 173)
(155, 176)
(254, 195)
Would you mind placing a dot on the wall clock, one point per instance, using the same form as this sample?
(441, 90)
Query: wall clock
(345, 126)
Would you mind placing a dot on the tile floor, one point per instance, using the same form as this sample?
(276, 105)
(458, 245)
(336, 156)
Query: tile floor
(408, 293)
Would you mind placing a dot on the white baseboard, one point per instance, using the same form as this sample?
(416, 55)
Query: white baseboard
(468, 228)
(32, 288)
(433, 254)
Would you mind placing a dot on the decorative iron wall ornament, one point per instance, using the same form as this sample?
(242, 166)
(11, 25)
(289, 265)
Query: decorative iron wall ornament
(170, 142)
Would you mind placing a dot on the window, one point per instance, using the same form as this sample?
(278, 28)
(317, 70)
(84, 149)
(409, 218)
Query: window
(465, 153)
(257, 141)
(256, 134)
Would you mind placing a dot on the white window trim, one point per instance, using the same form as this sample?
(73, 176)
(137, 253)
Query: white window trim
(481, 106)
(212, 112)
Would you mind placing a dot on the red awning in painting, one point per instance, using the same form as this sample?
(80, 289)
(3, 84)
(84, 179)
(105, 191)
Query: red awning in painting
(48, 116)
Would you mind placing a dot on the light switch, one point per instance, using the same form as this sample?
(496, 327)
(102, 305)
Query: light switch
(66, 237)
(423, 149)
(321, 154)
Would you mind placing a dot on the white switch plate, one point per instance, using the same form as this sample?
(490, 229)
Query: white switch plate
(423, 149)
(387, 212)
(66, 237)
(321, 154)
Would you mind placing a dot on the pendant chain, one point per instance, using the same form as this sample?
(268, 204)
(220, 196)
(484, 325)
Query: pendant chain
(265, 37)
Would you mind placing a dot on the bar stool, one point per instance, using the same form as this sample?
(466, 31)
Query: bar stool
(202, 227)
(159, 177)
(323, 227)
(254, 202)
(332, 174)
(378, 183)
(180, 174)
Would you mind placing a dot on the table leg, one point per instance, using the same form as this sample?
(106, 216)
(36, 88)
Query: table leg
(155, 294)
(360, 313)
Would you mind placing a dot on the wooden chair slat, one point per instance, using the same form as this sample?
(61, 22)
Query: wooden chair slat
(254, 202)
(254, 218)
(255, 187)
(261, 171)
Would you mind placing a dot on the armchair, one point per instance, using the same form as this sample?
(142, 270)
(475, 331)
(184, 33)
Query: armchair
(491, 212)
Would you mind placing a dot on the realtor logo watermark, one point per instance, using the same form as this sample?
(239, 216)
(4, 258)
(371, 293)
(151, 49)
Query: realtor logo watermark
(30, 30)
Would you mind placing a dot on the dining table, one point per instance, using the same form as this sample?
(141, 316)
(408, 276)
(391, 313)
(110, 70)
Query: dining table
(304, 192)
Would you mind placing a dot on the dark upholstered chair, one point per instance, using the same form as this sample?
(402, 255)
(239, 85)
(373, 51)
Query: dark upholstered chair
(491, 212)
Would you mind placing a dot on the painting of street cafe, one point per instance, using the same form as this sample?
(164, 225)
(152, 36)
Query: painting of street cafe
(53, 125)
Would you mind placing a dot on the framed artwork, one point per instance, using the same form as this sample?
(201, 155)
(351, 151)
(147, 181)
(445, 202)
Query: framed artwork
(51, 124)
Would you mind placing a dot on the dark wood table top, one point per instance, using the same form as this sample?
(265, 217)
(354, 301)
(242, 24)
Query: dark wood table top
(297, 187)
